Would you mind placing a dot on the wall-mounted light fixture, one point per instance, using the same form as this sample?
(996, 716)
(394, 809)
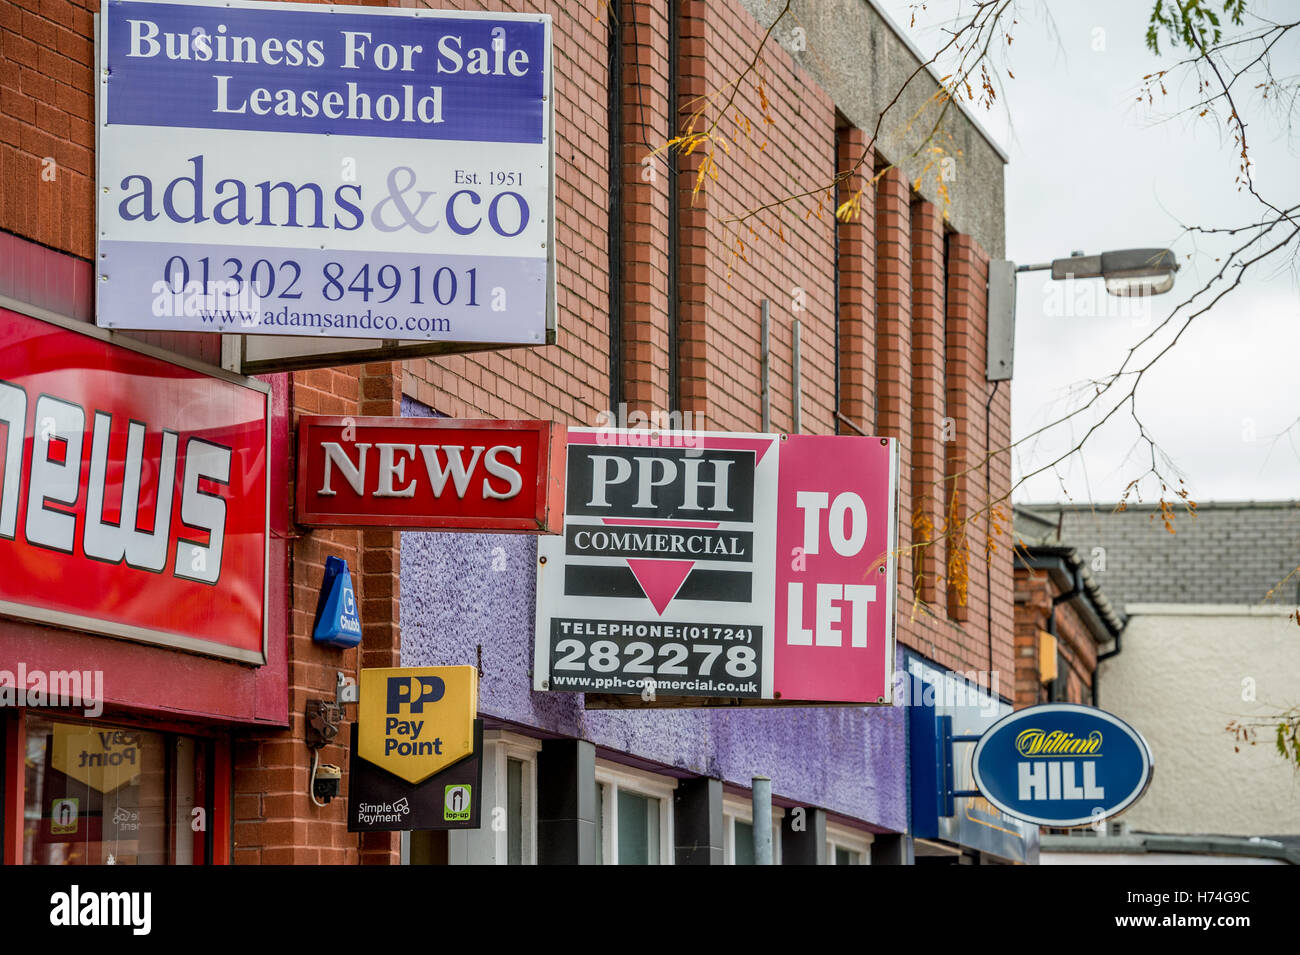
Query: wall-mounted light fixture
(1126, 272)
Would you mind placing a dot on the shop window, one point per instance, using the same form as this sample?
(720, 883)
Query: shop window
(514, 812)
(99, 794)
(508, 834)
(738, 832)
(638, 829)
(742, 843)
(635, 814)
(845, 846)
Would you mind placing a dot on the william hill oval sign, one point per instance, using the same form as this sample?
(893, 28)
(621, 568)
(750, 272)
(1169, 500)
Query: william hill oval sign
(1062, 765)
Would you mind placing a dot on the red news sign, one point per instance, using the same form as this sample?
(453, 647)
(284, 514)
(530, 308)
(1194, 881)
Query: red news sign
(133, 493)
(431, 473)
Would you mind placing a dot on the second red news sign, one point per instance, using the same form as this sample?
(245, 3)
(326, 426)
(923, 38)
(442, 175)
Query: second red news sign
(430, 473)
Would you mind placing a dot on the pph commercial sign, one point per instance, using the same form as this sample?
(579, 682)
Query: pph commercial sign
(739, 566)
(298, 169)
(133, 496)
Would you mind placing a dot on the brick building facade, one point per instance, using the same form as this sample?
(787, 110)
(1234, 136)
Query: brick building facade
(1065, 624)
(659, 305)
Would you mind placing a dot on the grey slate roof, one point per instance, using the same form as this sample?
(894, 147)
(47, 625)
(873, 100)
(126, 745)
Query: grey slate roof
(1229, 553)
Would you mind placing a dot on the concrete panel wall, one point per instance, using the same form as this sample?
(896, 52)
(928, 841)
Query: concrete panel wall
(853, 53)
(1179, 681)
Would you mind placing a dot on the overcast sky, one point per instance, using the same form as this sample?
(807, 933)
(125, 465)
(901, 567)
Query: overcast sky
(1092, 170)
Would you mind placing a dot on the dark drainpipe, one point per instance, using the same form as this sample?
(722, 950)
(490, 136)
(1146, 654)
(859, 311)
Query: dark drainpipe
(1096, 674)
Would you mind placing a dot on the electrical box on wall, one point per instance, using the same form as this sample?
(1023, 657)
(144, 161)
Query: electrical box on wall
(1047, 670)
(1001, 319)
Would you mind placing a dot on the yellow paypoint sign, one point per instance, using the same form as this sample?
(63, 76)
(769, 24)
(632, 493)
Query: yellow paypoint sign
(104, 760)
(416, 721)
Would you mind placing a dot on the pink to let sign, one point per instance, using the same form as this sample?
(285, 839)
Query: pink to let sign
(721, 569)
(834, 588)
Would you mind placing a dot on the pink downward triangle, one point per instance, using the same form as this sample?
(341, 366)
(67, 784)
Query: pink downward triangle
(660, 579)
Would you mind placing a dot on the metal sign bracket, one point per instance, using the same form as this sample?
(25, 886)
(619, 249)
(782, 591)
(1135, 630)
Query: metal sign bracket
(947, 795)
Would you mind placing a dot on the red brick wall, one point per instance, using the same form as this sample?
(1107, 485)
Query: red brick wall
(645, 186)
(894, 344)
(929, 397)
(275, 820)
(857, 271)
(931, 320)
(568, 382)
(786, 257)
(965, 357)
(47, 113)
(1077, 659)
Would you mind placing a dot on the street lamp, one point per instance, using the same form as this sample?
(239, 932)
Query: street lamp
(1127, 272)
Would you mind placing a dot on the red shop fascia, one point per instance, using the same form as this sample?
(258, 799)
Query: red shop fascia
(143, 557)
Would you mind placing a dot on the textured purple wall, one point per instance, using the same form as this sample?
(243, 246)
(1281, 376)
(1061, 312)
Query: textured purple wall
(463, 592)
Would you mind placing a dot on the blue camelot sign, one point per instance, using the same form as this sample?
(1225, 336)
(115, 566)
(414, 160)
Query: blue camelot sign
(1062, 765)
(337, 621)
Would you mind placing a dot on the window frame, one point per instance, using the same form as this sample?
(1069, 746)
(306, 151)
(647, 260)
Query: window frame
(737, 809)
(486, 845)
(613, 777)
(524, 749)
(845, 837)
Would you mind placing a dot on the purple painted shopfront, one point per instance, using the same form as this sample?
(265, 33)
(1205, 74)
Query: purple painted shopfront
(469, 598)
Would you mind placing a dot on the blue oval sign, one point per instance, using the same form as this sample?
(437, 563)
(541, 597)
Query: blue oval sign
(1062, 764)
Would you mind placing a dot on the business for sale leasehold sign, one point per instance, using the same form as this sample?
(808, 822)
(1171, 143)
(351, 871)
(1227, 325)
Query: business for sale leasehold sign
(736, 566)
(300, 169)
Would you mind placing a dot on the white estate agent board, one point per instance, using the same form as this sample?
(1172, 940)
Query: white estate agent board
(295, 169)
(754, 567)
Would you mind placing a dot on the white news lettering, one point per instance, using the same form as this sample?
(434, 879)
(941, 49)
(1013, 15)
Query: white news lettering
(212, 461)
(392, 479)
(54, 478)
(111, 542)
